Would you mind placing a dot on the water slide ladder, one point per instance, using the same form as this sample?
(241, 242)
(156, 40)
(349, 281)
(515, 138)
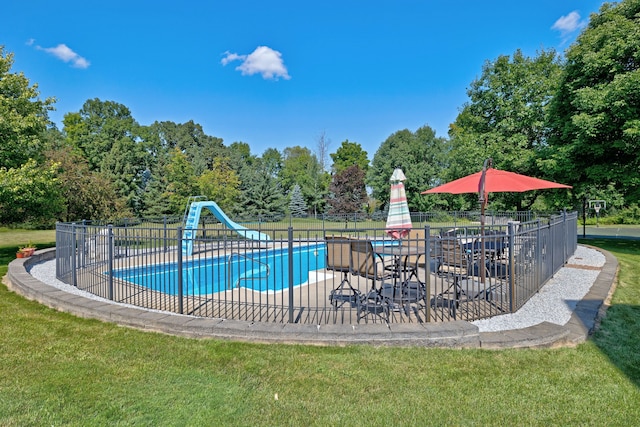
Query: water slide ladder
(192, 218)
(250, 274)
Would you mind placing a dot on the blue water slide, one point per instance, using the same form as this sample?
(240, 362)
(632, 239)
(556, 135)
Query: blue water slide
(193, 218)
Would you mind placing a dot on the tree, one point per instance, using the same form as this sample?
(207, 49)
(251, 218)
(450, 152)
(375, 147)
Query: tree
(110, 139)
(242, 161)
(349, 154)
(181, 180)
(347, 191)
(97, 127)
(595, 116)
(23, 117)
(422, 157)
(297, 205)
(506, 119)
(261, 193)
(125, 165)
(155, 202)
(200, 148)
(301, 167)
(240, 152)
(322, 149)
(29, 194)
(86, 194)
(272, 161)
(220, 184)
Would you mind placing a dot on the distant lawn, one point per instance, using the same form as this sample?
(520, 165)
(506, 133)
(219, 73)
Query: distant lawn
(56, 369)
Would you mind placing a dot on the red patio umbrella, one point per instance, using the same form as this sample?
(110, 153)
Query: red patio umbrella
(495, 181)
(491, 180)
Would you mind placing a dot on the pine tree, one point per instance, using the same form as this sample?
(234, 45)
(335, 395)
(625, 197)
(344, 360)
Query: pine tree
(297, 205)
(261, 195)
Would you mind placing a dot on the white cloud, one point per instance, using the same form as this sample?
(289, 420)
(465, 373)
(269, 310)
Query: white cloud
(63, 52)
(230, 57)
(263, 60)
(569, 23)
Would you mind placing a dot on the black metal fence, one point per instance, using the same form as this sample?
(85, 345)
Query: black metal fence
(332, 221)
(319, 275)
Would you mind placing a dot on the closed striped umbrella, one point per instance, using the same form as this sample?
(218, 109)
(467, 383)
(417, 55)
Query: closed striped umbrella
(398, 219)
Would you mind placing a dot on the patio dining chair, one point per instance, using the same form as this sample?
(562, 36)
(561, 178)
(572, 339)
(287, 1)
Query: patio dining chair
(339, 260)
(434, 256)
(366, 263)
(456, 259)
(465, 292)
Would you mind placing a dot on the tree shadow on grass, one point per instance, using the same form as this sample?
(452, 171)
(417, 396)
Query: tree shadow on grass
(7, 254)
(618, 335)
(619, 339)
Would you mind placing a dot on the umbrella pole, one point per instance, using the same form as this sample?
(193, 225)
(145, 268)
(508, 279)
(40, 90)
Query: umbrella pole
(483, 202)
(482, 252)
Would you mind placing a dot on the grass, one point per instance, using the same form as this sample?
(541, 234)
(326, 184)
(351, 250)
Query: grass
(56, 369)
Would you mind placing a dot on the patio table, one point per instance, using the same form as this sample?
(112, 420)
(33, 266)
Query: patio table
(404, 270)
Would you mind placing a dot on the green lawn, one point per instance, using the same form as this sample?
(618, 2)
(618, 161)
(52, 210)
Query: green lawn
(56, 369)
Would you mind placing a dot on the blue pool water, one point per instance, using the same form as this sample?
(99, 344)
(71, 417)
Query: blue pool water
(264, 270)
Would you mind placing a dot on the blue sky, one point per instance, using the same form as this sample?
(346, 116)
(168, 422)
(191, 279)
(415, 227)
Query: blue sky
(279, 73)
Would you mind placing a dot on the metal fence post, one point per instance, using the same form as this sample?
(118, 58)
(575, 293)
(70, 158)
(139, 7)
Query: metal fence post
(164, 222)
(180, 284)
(511, 230)
(83, 245)
(539, 253)
(126, 237)
(565, 237)
(290, 252)
(58, 249)
(110, 251)
(324, 231)
(427, 248)
(74, 252)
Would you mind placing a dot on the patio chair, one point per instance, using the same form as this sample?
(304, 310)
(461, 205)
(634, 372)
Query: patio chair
(494, 244)
(493, 269)
(339, 260)
(369, 265)
(417, 237)
(466, 292)
(456, 260)
(499, 243)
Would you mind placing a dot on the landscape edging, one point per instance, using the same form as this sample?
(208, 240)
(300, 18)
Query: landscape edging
(456, 334)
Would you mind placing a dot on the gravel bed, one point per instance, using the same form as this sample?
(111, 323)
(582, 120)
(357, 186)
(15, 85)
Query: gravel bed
(46, 273)
(554, 303)
(557, 299)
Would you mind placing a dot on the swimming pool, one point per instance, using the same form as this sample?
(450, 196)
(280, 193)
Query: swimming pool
(262, 271)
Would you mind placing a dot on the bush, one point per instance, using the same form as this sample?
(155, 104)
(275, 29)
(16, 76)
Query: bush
(630, 215)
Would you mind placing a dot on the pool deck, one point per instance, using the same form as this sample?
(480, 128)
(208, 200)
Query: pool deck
(453, 334)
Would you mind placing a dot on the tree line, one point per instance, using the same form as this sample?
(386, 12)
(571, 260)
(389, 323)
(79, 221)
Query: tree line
(572, 118)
